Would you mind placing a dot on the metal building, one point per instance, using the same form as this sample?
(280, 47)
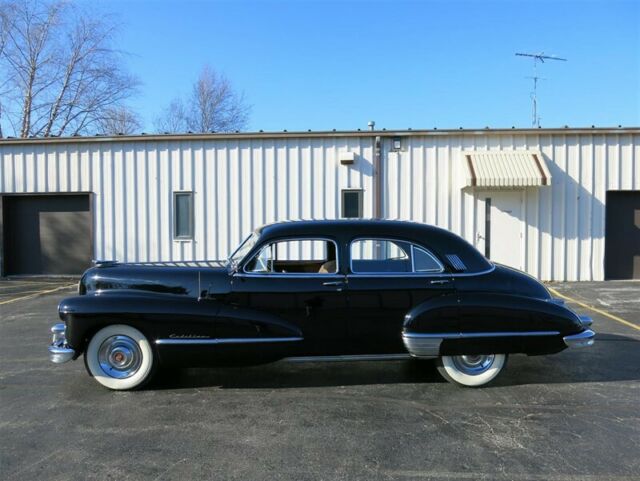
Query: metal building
(561, 204)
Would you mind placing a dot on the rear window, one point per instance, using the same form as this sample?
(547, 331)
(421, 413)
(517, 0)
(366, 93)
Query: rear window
(386, 256)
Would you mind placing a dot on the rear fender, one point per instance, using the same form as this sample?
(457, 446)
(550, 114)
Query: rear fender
(489, 312)
(520, 324)
(438, 314)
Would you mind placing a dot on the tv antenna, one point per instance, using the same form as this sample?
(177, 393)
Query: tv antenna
(537, 57)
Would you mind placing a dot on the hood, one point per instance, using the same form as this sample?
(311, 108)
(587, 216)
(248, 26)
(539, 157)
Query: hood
(175, 278)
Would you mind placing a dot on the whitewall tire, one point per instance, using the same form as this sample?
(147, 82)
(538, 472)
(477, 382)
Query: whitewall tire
(120, 357)
(471, 370)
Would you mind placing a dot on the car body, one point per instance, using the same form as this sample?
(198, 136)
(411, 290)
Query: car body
(333, 289)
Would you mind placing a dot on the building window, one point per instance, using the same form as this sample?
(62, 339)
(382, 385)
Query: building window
(351, 204)
(183, 215)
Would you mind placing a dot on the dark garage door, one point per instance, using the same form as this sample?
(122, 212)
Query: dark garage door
(46, 234)
(622, 236)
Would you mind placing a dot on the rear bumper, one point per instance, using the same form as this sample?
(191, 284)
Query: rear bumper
(585, 338)
(59, 351)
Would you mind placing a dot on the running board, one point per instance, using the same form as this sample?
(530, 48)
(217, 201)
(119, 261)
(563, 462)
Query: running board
(350, 358)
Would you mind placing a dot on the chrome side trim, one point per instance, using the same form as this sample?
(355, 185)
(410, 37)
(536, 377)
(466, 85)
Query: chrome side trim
(472, 335)
(229, 340)
(423, 346)
(428, 345)
(349, 358)
(582, 339)
(418, 274)
(297, 275)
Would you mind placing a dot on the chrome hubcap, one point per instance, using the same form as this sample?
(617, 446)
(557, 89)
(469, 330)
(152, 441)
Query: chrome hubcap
(473, 365)
(119, 357)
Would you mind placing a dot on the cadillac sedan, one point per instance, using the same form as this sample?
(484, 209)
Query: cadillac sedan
(315, 291)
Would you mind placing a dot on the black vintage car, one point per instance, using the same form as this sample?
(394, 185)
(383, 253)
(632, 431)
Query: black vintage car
(315, 290)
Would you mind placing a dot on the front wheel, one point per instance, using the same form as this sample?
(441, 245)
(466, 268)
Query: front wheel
(471, 370)
(120, 357)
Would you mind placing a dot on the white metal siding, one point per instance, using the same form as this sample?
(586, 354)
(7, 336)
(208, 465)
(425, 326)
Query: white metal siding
(564, 223)
(237, 184)
(241, 183)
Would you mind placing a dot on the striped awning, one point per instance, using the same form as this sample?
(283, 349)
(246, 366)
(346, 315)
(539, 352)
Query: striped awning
(506, 169)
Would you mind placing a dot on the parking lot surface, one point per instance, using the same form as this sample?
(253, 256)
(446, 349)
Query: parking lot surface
(570, 416)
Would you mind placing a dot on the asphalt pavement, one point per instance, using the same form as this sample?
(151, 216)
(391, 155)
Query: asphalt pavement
(570, 416)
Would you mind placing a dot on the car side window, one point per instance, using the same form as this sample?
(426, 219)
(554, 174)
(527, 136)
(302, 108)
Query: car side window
(386, 256)
(295, 256)
(424, 261)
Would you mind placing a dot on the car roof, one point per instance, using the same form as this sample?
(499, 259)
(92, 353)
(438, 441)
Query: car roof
(341, 226)
(442, 242)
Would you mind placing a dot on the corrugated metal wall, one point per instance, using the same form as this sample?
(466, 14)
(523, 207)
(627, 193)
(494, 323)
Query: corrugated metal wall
(241, 183)
(237, 184)
(564, 223)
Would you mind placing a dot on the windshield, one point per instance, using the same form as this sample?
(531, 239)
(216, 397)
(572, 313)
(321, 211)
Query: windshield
(242, 251)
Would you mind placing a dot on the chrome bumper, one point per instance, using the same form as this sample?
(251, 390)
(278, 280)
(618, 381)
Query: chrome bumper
(59, 352)
(582, 339)
(586, 321)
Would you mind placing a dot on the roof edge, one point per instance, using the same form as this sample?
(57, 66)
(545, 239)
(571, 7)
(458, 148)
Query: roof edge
(319, 134)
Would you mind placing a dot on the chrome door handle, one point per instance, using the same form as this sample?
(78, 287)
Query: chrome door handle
(440, 281)
(333, 283)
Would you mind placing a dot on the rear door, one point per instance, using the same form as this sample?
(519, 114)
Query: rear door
(387, 278)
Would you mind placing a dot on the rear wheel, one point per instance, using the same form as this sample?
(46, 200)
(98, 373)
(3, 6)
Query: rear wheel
(120, 357)
(471, 370)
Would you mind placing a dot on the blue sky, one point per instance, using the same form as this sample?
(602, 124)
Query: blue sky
(324, 65)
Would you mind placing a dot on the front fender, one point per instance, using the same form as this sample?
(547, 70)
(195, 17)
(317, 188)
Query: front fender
(155, 315)
(166, 317)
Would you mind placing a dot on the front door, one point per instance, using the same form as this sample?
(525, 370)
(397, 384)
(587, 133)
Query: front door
(296, 282)
(387, 279)
(500, 225)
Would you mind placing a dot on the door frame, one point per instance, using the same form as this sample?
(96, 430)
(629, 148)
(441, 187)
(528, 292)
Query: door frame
(480, 235)
(607, 245)
(4, 215)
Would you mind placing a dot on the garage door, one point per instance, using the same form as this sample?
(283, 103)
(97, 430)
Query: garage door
(622, 235)
(46, 234)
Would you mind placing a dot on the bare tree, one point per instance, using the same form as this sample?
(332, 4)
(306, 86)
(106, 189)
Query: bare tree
(173, 118)
(212, 105)
(119, 120)
(62, 74)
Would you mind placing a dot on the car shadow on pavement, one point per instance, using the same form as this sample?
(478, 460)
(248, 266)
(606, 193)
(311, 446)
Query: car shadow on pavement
(305, 375)
(612, 358)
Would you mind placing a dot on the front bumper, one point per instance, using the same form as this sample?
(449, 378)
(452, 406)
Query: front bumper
(585, 338)
(59, 351)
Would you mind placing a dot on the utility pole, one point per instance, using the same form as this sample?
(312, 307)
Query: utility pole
(537, 57)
